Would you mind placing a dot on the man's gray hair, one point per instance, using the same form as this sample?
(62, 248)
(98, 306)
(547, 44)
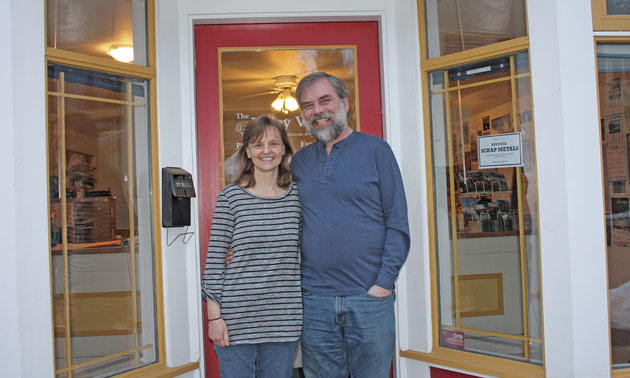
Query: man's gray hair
(306, 82)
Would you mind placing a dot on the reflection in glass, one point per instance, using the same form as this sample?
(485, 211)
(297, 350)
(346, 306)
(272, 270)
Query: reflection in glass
(105, 28)
(617, 7)
(100, 222)
(459, 25)
(486, 218)
(613, 63)
(255, 82)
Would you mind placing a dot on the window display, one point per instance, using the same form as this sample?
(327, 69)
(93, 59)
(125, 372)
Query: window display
(486, 218)
(101, 222)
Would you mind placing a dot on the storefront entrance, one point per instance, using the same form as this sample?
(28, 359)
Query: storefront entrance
(245, 70)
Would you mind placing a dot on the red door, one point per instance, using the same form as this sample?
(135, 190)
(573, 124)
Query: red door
(210, 40)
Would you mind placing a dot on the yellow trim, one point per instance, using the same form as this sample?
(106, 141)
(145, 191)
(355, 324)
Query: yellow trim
(131, 183)
(221, 136)
(603, 21)
(161, 371)
(489, 333)
(91, 98)
(101, 359)
(495, 50)
(480, 83)
(70, 58)
(477, 363)
(521, 228)
(451, 163)
(64, 222)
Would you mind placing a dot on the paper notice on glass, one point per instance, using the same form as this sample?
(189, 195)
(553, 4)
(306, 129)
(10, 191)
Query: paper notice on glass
(453, 339)
(620, 221)
(616, 148)
(500, 150)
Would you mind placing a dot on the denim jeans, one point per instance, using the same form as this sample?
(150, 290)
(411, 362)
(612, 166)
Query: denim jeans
(348, 335)
(264, 360)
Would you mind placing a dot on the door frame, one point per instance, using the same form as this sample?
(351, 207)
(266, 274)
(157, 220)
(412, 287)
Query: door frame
(400, 83)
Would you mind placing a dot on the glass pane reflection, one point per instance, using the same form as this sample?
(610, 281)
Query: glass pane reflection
(252, 80)
(105, 26)
(613, 63)
(456, 25)
(486, 218)
(617, 7)
(101, 222)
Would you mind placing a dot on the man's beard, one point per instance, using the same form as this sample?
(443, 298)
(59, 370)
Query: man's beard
(331, 132)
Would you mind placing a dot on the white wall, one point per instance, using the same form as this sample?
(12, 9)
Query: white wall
(25, 318)
(572, 235)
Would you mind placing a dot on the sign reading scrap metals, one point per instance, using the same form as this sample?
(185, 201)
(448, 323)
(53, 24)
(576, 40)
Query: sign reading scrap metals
(500, 150)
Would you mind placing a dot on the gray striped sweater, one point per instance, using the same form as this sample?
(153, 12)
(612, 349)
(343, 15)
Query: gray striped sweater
(259, 291)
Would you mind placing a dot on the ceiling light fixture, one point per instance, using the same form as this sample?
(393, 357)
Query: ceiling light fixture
(285, 102)
(122, 53)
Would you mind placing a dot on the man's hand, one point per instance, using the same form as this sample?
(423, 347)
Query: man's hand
(228, 257)
(217, 331)
(377, 291)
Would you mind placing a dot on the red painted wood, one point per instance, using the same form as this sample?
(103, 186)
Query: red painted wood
(208, 38)
(441, 373)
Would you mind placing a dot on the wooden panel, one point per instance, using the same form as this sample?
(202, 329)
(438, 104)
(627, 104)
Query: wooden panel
(481, 294)
(96, 314)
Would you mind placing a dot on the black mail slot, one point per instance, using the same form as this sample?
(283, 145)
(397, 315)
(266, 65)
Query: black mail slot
(177, 190)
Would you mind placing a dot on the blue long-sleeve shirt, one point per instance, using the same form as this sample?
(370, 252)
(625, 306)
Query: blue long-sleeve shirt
(355, 229)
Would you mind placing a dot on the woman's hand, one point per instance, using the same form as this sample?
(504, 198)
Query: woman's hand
(217, 331)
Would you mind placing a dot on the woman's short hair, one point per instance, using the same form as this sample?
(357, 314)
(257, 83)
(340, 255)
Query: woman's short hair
(254, 131)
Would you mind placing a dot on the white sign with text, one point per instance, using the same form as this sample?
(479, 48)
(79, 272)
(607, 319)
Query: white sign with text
(501, 150)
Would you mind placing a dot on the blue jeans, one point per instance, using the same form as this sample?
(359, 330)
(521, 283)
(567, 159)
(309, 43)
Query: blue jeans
(348, 335)
(264, 360)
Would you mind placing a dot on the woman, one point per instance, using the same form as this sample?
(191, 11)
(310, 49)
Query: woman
(254, 302)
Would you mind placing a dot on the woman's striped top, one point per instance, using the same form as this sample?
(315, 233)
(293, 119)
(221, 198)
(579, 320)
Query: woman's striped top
(259, 291)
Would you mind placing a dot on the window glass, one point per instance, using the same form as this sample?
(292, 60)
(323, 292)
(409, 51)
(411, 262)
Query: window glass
(616, 7)
(486, 220)
(613, 62)
(246, 95)
(458, 25)
(104, 305)
(115, 29)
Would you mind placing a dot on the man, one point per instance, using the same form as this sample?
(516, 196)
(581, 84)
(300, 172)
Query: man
(355, 238)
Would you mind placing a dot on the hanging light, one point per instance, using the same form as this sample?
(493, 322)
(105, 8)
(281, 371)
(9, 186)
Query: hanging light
(285, 102)
(122, 53)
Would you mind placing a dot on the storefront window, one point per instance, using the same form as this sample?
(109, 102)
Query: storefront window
(486, 220)
(459, 25)
(101, 222)
(613, 62)
(114, 29)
